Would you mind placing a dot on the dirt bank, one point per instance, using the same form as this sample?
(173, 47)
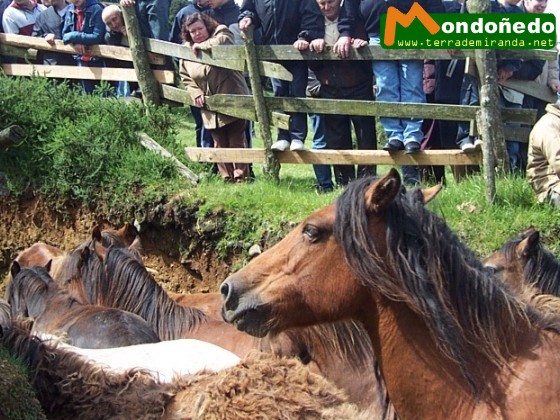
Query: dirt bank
(173, 246)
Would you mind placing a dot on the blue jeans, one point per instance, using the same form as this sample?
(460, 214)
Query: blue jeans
(400, 81)
(294, 89)
(517, 151)
(322, 172)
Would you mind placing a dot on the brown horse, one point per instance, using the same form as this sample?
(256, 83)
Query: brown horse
(31, 292)
(259, 387)
(452, 341)
(115, 277)
(523, 261)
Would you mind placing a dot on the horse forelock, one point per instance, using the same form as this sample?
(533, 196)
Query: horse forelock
(129, 286)
(439, 278)
(28, 289)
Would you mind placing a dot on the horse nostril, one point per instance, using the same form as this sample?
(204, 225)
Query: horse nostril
(224, 290)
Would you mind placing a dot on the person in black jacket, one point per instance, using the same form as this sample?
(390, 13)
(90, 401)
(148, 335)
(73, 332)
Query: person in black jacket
(287, 22)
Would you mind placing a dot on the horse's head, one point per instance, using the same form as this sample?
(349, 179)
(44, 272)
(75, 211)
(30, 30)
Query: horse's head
(306, 278)
(510, 261)
(27, 289)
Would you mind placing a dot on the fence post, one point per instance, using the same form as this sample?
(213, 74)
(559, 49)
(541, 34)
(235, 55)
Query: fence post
(271, 166)
(489, 117)
(146, 79)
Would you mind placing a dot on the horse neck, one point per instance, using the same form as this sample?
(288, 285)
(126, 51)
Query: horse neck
(545, 271)
(168, 319)
(421, 381)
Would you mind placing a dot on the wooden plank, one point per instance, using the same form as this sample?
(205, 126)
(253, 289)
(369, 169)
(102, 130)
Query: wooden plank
(106, 51)
(208, 57)
(278, 119)
(532, 88)
(372, 108)
(154, 146)
(29, 53)
(336, 157)
(288, 52)
(87, 73)
(520, 134)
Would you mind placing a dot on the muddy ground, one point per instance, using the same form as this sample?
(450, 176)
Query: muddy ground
(173, 247)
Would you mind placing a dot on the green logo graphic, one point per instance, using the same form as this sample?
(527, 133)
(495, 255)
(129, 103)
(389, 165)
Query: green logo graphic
(420, 30)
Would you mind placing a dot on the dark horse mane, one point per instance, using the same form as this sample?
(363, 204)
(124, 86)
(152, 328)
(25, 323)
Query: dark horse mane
(123, 282)
(468, 312)
(67, 386)
(32, 283)
(541, 270)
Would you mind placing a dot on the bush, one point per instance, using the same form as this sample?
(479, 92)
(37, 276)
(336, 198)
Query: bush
(81, 147)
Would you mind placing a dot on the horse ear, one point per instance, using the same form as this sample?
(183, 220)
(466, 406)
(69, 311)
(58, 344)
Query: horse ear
(529, 244)
(100, 250)
(127, 231)
(96, 233)
(383, 191)
(15, 269)
(136, 245)
(430, 193)
(48, 265)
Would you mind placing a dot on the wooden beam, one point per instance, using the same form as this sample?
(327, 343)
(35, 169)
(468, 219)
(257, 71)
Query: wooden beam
(337, 157)
(532, 88)
(12, 51)
(171, 93)
(371, 108)
(154, 146)
(105, 51)
(267, 69)
(87, 73)
(288, 52)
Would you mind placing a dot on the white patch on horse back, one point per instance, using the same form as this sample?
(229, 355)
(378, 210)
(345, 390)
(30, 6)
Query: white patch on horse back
(165, 359)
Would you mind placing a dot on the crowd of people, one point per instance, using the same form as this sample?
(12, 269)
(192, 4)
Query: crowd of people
(307, 25)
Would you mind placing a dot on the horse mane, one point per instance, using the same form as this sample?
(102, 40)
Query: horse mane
(69, 386)
(32, 283)
(126, 284)
(467, 311)
(5, 313)
(345, 339)
(541, 270)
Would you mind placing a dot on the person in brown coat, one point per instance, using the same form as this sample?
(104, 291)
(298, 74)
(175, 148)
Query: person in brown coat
(543, 165)
(201, 33)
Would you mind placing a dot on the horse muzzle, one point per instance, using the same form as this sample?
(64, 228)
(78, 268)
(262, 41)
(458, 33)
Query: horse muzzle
(243, 310)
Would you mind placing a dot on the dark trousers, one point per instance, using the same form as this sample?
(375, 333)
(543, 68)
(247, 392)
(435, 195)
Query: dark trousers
(294, 89)
(231, 136)
(338, 130)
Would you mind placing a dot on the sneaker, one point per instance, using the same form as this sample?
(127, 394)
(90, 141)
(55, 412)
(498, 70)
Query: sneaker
(394, 145)
(281, 145)
(297, 145)
(468, 146)
(477, 144)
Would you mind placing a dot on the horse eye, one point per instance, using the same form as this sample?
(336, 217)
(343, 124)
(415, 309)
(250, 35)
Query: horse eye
(312, 233)
(493, 269)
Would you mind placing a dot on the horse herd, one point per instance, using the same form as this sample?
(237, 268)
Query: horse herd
(370, 308)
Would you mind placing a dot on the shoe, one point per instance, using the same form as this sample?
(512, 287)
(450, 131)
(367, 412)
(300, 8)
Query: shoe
(411, 147)
(468, 146)
(281, 145)
(297, 145)
(394, 145)
(477, 144)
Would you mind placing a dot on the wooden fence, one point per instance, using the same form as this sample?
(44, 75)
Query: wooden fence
(272, 112)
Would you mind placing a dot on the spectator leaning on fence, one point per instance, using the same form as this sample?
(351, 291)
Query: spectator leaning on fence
(84, 26)
(201, 32)
(345, 80)
(543, 166)
(153, 17)
(49, 26)
(287, 22)
(20, 16)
